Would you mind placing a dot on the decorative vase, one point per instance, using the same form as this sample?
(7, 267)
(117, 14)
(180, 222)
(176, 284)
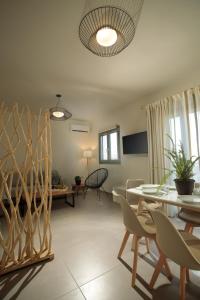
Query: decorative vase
(184, 187)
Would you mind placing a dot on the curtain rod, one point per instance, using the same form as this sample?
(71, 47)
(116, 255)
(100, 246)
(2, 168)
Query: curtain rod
(143, 107)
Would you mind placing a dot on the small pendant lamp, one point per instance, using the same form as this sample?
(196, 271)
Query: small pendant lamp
(59, 113)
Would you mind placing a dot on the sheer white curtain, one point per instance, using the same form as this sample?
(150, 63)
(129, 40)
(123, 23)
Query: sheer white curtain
(179, 117)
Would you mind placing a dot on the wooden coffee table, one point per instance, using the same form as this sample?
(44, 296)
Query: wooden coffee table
(65, 193)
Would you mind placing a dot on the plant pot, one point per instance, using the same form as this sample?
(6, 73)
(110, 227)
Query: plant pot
(78, 182)
(184, 187)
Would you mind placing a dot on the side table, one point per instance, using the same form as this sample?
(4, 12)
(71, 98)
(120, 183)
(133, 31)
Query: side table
(77, 188)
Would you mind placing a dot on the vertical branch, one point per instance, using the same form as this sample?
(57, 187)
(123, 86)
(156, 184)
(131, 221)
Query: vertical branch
(25, 181)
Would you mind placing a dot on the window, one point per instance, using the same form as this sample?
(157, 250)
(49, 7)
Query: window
(109, 146)
(187, 137)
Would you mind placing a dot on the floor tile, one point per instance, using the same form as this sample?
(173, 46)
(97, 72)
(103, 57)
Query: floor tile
(74, 295)
(115, 284)
(47, 281)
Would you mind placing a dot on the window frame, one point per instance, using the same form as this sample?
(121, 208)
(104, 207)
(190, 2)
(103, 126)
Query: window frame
(184, 140)
(108, 133)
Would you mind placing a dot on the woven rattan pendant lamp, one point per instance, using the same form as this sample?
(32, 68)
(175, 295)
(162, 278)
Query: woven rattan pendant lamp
(58, 112)
(108, 26)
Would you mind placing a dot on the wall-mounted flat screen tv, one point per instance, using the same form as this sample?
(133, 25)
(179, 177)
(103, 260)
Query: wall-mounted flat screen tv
(135, 143)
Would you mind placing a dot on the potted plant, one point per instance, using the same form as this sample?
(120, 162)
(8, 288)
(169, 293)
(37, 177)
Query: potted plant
(183, 168)
(77, 180)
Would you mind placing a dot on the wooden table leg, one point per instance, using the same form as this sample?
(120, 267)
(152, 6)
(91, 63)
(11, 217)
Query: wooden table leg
(73, 200)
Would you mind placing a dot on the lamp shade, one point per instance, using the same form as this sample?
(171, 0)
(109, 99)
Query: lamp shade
(87, 153)
(108, 26)
(59, 113)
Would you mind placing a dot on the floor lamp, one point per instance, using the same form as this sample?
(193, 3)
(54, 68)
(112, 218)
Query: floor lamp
(87, 154)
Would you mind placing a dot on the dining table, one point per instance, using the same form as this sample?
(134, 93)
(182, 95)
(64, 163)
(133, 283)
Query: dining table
(171, 197)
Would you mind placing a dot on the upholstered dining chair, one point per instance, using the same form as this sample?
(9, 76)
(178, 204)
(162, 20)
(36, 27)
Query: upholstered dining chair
(139, 227)
(134, 203)
(132, 199)
(182, 247)
(191, 218)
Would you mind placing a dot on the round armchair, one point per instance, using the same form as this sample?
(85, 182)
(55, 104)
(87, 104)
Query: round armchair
(96, 179)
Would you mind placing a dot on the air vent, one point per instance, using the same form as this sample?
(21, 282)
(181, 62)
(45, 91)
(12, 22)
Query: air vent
(75, 127)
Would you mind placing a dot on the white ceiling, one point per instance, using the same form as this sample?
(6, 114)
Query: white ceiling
(41, 55)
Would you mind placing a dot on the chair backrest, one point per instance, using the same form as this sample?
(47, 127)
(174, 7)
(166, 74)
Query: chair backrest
(171, 242)
(97, 178)
(132, 183)
(130, 219)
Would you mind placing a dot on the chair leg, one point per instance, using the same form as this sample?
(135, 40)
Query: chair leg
(85, 192)
(125, 239)
(98, 194)
(167, 270)
(157, 271)
(102, 188)
(147, 245)
(135, 260)
(188, 275)
(188, 227)
(182, 283)
(133, 243)
(191, 229)
(165, 263)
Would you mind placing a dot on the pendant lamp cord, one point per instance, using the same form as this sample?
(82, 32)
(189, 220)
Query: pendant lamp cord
(59, 99)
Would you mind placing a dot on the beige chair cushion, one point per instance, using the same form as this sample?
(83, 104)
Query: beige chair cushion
(146, 206)
(147, 224)
(134, 207)
(154, 205)
(189, 216)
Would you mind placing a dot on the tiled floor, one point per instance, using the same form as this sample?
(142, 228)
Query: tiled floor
(86, 240)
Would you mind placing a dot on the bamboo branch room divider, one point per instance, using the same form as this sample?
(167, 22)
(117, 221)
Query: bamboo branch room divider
(25, 188)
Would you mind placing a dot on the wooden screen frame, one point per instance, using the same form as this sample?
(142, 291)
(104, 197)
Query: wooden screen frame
(25, 239)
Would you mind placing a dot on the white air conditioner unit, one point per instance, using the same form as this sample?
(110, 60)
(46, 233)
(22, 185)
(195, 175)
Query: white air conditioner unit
(80, 127)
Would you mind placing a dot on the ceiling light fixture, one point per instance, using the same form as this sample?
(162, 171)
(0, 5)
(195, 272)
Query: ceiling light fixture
(59, 113)
(108, 26)
(106, 37)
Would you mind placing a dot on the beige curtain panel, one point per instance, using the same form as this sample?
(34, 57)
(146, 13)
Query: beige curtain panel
(179, 117)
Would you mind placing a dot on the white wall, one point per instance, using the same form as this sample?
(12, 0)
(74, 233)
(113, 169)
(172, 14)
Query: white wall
(67, 148)
(131, 119)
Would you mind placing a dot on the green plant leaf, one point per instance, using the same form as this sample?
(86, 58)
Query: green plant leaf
(182, 166)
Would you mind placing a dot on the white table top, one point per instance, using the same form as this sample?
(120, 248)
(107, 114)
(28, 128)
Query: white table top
(170, 198)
